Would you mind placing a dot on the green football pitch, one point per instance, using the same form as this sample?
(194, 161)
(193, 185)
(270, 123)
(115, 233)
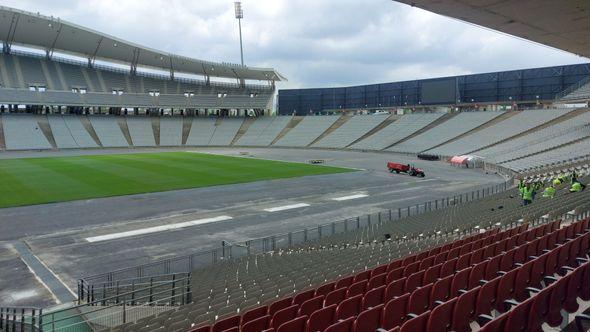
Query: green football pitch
(28, 181)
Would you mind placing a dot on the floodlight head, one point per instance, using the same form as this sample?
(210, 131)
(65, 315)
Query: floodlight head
(238, 10)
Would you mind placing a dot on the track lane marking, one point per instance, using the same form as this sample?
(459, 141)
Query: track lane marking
(286, 207)
(349, 197)
(156, 229)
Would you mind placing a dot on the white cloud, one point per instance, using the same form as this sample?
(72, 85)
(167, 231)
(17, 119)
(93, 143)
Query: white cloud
(313, 43)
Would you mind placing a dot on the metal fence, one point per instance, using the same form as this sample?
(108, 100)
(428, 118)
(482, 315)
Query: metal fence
(187, 263)
(120, 308)
(20, 319)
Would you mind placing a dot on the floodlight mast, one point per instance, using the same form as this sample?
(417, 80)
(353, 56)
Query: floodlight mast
(240, 16)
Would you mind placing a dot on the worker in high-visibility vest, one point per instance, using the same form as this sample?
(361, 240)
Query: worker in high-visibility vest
(577, 187)
(556, 182)
(549, 192)
(521, 186)
(527, 194)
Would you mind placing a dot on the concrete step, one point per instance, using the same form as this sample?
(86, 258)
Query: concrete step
(122, 121)
(43, 123)
(156, 128)
(294, 122)
(90, 129)
(342, 120)
(392, 118)
(243, 129)
(433, 124)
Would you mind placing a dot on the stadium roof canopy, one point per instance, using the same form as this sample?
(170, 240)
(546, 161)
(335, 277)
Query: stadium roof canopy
(54, 34)
(563, 24)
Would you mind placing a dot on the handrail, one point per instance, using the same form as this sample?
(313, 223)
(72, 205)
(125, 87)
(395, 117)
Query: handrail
(573, 87)
(106, 310)
(21, 319)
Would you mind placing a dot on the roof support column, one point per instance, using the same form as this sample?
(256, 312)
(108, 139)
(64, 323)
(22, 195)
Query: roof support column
(49, 51)
(134, 61)
(171, 69)
(7, 45)
(92, 58)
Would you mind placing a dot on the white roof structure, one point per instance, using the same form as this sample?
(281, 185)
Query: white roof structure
(563, 24)
(54, 34)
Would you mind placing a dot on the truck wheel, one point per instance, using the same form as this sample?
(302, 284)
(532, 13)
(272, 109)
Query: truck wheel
(396, 171)
(422, 175)
(390, 171)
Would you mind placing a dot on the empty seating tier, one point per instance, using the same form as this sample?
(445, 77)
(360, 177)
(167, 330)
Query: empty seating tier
(22, 132)
(397, 131)
(350, 131)
(306, 131)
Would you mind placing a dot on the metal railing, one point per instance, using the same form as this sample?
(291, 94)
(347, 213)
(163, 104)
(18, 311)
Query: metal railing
(573, 87)
(20, 319)
(187, 263)
(120, 308)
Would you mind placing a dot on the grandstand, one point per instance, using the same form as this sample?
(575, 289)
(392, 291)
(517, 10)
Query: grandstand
(358, 250)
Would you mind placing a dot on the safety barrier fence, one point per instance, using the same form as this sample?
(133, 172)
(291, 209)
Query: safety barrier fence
(121, 308)
(20, 319)
(90, 287)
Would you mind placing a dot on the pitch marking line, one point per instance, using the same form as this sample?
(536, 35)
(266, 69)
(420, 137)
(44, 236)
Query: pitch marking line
(156, 229)
(346, 198)
(286, 207)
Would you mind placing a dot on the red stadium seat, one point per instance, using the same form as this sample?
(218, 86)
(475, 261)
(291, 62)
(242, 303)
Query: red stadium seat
(413, 281)
(336, 296)
(341, 326)
(538, 270)
(395, 312)
(368, 320)
(505, 289)
(507, 261)
(557, 301)
(373, 297)
(426, 263)
(284, 315)
(303, 296)
(415, 324)
(440, 258)
(294, 325)
(460, 281)
(463, 262)
(394, 289)
(441, 291)
(226, 324)
(258, 324)
(432, 274)
(540, 309)
(253, 314)
(519, 316)
(394, 265)
(465, 310)
(379, 270)
(411, 269)
(377, 281)
(361, 276)
(395, 274)
(325, 289)
(278, 305)
(311, 305)
(486, 299)
(344, 282)
(349, 307)
(321, 319)
(420, 300)
(358, 288)
(523, 280)
(441, 317)
(477, 273)
(448, 268)
(201, 329)
(477, 256)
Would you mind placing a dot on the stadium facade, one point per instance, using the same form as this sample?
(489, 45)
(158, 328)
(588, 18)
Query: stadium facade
(50, 62)
(526, 86)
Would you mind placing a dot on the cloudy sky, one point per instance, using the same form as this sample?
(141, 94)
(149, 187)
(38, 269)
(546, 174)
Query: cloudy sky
(314, 43)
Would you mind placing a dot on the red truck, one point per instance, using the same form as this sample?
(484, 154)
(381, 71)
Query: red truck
(411, 170)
